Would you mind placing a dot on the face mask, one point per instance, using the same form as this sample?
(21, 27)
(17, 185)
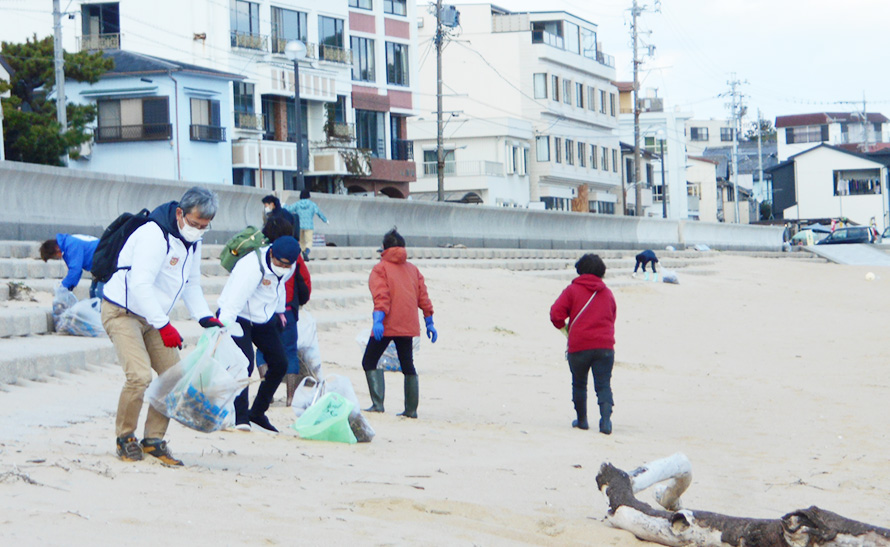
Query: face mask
(269, 210)
(279, 271)
(191, 234)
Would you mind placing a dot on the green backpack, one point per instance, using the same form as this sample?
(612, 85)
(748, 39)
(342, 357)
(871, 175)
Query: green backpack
(243, 243)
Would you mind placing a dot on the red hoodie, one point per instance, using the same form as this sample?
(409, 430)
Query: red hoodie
(595, 327)
(398, 289)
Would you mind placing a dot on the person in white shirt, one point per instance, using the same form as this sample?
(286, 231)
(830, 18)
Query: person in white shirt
(254, 297)
(158, 265)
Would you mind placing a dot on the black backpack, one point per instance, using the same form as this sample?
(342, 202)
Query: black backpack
(112, 241)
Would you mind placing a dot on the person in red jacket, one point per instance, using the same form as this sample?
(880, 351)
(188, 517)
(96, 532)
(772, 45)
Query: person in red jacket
(590, 309)
(398, 290)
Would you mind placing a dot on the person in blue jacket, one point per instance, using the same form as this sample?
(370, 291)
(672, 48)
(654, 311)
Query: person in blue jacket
(646, 257)
(77, 252)
(306, 210)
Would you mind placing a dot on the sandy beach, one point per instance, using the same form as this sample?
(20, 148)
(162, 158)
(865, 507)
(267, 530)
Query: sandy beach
(769, 374)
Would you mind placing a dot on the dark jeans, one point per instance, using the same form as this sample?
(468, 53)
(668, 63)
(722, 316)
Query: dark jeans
(404, 347)
(600, 361)
(289, 340)
(96, 289)
(637, 267)
(266, 338)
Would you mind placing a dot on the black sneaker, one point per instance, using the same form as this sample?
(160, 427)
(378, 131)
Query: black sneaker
(158, 449)
(263, 422)
(128, 449)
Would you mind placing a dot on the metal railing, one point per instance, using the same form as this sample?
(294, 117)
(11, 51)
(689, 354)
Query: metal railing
(93, 42)
(604, 59)
(334, 54)
(249, 41)
(124, 133)
(246, 120)
(466, 168)
(544, 37)
(207, 133)
(340, 132)
(402, 150)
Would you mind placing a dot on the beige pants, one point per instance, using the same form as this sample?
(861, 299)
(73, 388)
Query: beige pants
(306, 239)
(140, 350)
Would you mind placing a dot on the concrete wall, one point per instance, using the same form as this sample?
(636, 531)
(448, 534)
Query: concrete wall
(40, 201)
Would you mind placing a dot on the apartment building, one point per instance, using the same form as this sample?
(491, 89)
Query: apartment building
(536, 89)
(710, 133)
(848, 130)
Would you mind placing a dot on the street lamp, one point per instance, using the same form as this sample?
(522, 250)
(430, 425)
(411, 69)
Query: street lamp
(295, 50)
(664, 192)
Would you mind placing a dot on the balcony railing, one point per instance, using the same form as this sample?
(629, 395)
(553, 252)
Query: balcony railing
(278, 45)
(207, 133)
(125, 133)
(340, 132)
(246, 120)
(402, 150)
(249, 41)
(94, 42)
(544, 37)
(604, 59)
(465, 168)
(335, 54)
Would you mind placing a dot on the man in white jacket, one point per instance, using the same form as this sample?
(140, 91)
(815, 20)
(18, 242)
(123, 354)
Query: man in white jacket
(158, 265)
(254, 296)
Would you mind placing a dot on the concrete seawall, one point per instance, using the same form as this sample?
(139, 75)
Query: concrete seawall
(39, 201)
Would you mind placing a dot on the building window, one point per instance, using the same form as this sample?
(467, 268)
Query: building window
(557, 149)
(145, 119)
(698, 134)
(570, 152)
(605, 158)
(401, 148)
(287, 25)
(245, 21)
(548, 32)
(517, 158)
(795, 135)
(395, 7)
(396, 63)
(726, 134)
(614, 160)
(243, 99)
(582, 150)
(579, 95)
(612, 111)
(567, 91)
(101, 26)
(540, 85)
(330, 40)
(363, 59)
(205, 124)
(554, 88)
(523, 164)
(557, 204)
(593, 156)
(658, 193)
(370, 132)
(655, 146)
(542, 149)
(857, 183)
(363, 4)
(602, 102)
(431, 160)
(601, 207)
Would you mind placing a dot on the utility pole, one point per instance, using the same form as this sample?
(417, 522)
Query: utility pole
(638, 189)
(440, 124)
(760, 164)
(737, 112)
(58, 54)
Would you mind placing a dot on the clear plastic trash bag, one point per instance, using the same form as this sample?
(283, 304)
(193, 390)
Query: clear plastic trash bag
(390, 358)
(82, 319)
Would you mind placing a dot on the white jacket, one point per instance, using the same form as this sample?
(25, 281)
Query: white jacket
(252, 294)
(157, 278)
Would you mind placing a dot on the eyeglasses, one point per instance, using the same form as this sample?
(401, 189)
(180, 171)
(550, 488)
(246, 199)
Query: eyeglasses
(195, 224)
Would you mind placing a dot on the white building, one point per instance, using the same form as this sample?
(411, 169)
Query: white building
(800, 132)
(701, 174)
(540, 69)
(711, 133)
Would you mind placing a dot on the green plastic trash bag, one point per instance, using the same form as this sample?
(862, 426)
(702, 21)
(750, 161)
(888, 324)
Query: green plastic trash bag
(327, 420)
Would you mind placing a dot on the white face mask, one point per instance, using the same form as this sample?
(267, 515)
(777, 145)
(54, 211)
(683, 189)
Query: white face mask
(279, 271)
(269, 210)
(190, 234)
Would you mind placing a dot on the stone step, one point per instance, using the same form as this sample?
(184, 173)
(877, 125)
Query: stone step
(24, 321)
(30, 268)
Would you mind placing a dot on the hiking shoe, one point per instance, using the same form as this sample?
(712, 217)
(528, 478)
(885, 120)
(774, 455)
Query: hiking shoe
(263, 422)
(242, 427)
(158, 449)
(128, 449)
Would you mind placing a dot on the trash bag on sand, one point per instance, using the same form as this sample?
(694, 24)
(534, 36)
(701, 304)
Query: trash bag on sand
(62, 300)
(670, 277)
(390, 358)
(309, 391)
(307, 345)
(327, 420)
(199, 391)
(82, 319)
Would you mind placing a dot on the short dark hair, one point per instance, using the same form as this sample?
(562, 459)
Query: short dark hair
(393, 239)
(48, 249)
(305, 194)
(273, 200)
(277, 226)
(591, 264)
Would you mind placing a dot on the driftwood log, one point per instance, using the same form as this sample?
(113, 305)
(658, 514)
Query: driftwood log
(811, 527)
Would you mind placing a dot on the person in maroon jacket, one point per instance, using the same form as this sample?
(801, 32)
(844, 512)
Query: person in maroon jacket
(589, 307)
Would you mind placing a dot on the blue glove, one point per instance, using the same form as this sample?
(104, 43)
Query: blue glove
(431, 330)
(377, 329)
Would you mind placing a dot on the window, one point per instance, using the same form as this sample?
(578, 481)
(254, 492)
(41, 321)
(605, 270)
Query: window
(605, 158)
(573, 40)
(510, 159)
(570, 152)
(542, 149)
(523, 164)
(655, 145)
(245, 21)
(614, 160)
(579, 95)
(857, 183)
(431, 160)
(582, 149)
(396, 63)
(554, 88)
(726, 134)
(658, 193)
(205, 124)
(557, 204)
(794, 135)
(245, 117)
(588, 43)
(145, 119)
(612, 110)
(698, 134)
(593, 155)
(516, 155)
(362, 59)
(602, 102)
(601, 207)
(287, 25)
(557, 149)
(101, 26)
(548, 32)
(567, 91)
(363, 4)
(330, 40)
(370, 132)
(401, 148)
(395, 7)
(591, 98)
(540, 85)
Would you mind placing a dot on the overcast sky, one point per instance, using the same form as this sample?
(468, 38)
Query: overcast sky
(797, 55)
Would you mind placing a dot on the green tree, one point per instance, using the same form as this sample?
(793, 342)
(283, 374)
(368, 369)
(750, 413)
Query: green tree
(30, 130)
(767, 131)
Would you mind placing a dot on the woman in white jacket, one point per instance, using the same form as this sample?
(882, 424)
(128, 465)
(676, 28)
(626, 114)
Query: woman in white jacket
(254, 296)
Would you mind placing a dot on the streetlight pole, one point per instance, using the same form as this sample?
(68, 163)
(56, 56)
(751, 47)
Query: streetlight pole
(664, 190)
(295, 50)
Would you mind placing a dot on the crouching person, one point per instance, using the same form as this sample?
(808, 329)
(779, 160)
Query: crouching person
(157, 265)
(255, 297)
(398, 289)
